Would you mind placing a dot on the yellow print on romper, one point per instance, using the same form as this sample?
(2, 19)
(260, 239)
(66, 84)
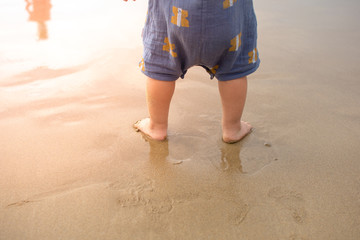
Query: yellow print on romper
(179, 18)
(142, 65)
(228, 3)
(253, 56)
(168, 47)
(235, 43)
(214, 69)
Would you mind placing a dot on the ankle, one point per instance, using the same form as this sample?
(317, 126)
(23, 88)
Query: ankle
(156, 126)
(231, 125)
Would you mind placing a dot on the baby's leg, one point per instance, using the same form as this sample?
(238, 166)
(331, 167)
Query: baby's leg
(233, 96)
(158, 96)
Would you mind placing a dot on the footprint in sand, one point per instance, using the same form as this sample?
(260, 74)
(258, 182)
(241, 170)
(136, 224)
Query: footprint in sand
(151, 204)
(159, 206)
(292, 201)
(241, 214)
(134, 195)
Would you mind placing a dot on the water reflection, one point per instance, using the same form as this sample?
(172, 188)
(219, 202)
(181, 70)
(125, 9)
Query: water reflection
(230, 160)
(230, 157)
(39, 12)
(159, 151)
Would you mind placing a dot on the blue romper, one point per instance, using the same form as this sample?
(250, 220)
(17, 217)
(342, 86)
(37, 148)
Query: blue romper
(219, 35)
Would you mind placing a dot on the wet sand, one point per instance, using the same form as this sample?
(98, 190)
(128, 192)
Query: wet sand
(72, 167)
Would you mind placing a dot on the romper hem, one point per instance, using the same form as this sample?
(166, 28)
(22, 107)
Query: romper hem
(232, 76)
(161, 77)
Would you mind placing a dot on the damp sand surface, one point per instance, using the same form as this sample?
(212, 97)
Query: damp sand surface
(72, 167)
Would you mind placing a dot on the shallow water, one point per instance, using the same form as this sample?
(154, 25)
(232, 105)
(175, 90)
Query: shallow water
(72, 167)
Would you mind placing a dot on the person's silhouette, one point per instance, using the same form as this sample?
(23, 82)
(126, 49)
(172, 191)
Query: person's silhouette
(39, 11)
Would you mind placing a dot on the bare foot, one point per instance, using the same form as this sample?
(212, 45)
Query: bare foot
(144, 126)
(235, 136)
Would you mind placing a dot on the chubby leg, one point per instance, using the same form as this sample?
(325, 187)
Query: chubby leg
(233, 97)
(158, 96)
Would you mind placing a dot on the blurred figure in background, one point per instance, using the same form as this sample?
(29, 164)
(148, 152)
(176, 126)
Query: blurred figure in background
(39, 11)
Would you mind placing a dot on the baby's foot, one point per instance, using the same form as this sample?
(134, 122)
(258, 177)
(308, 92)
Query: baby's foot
(144, 127)
(236, 136)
